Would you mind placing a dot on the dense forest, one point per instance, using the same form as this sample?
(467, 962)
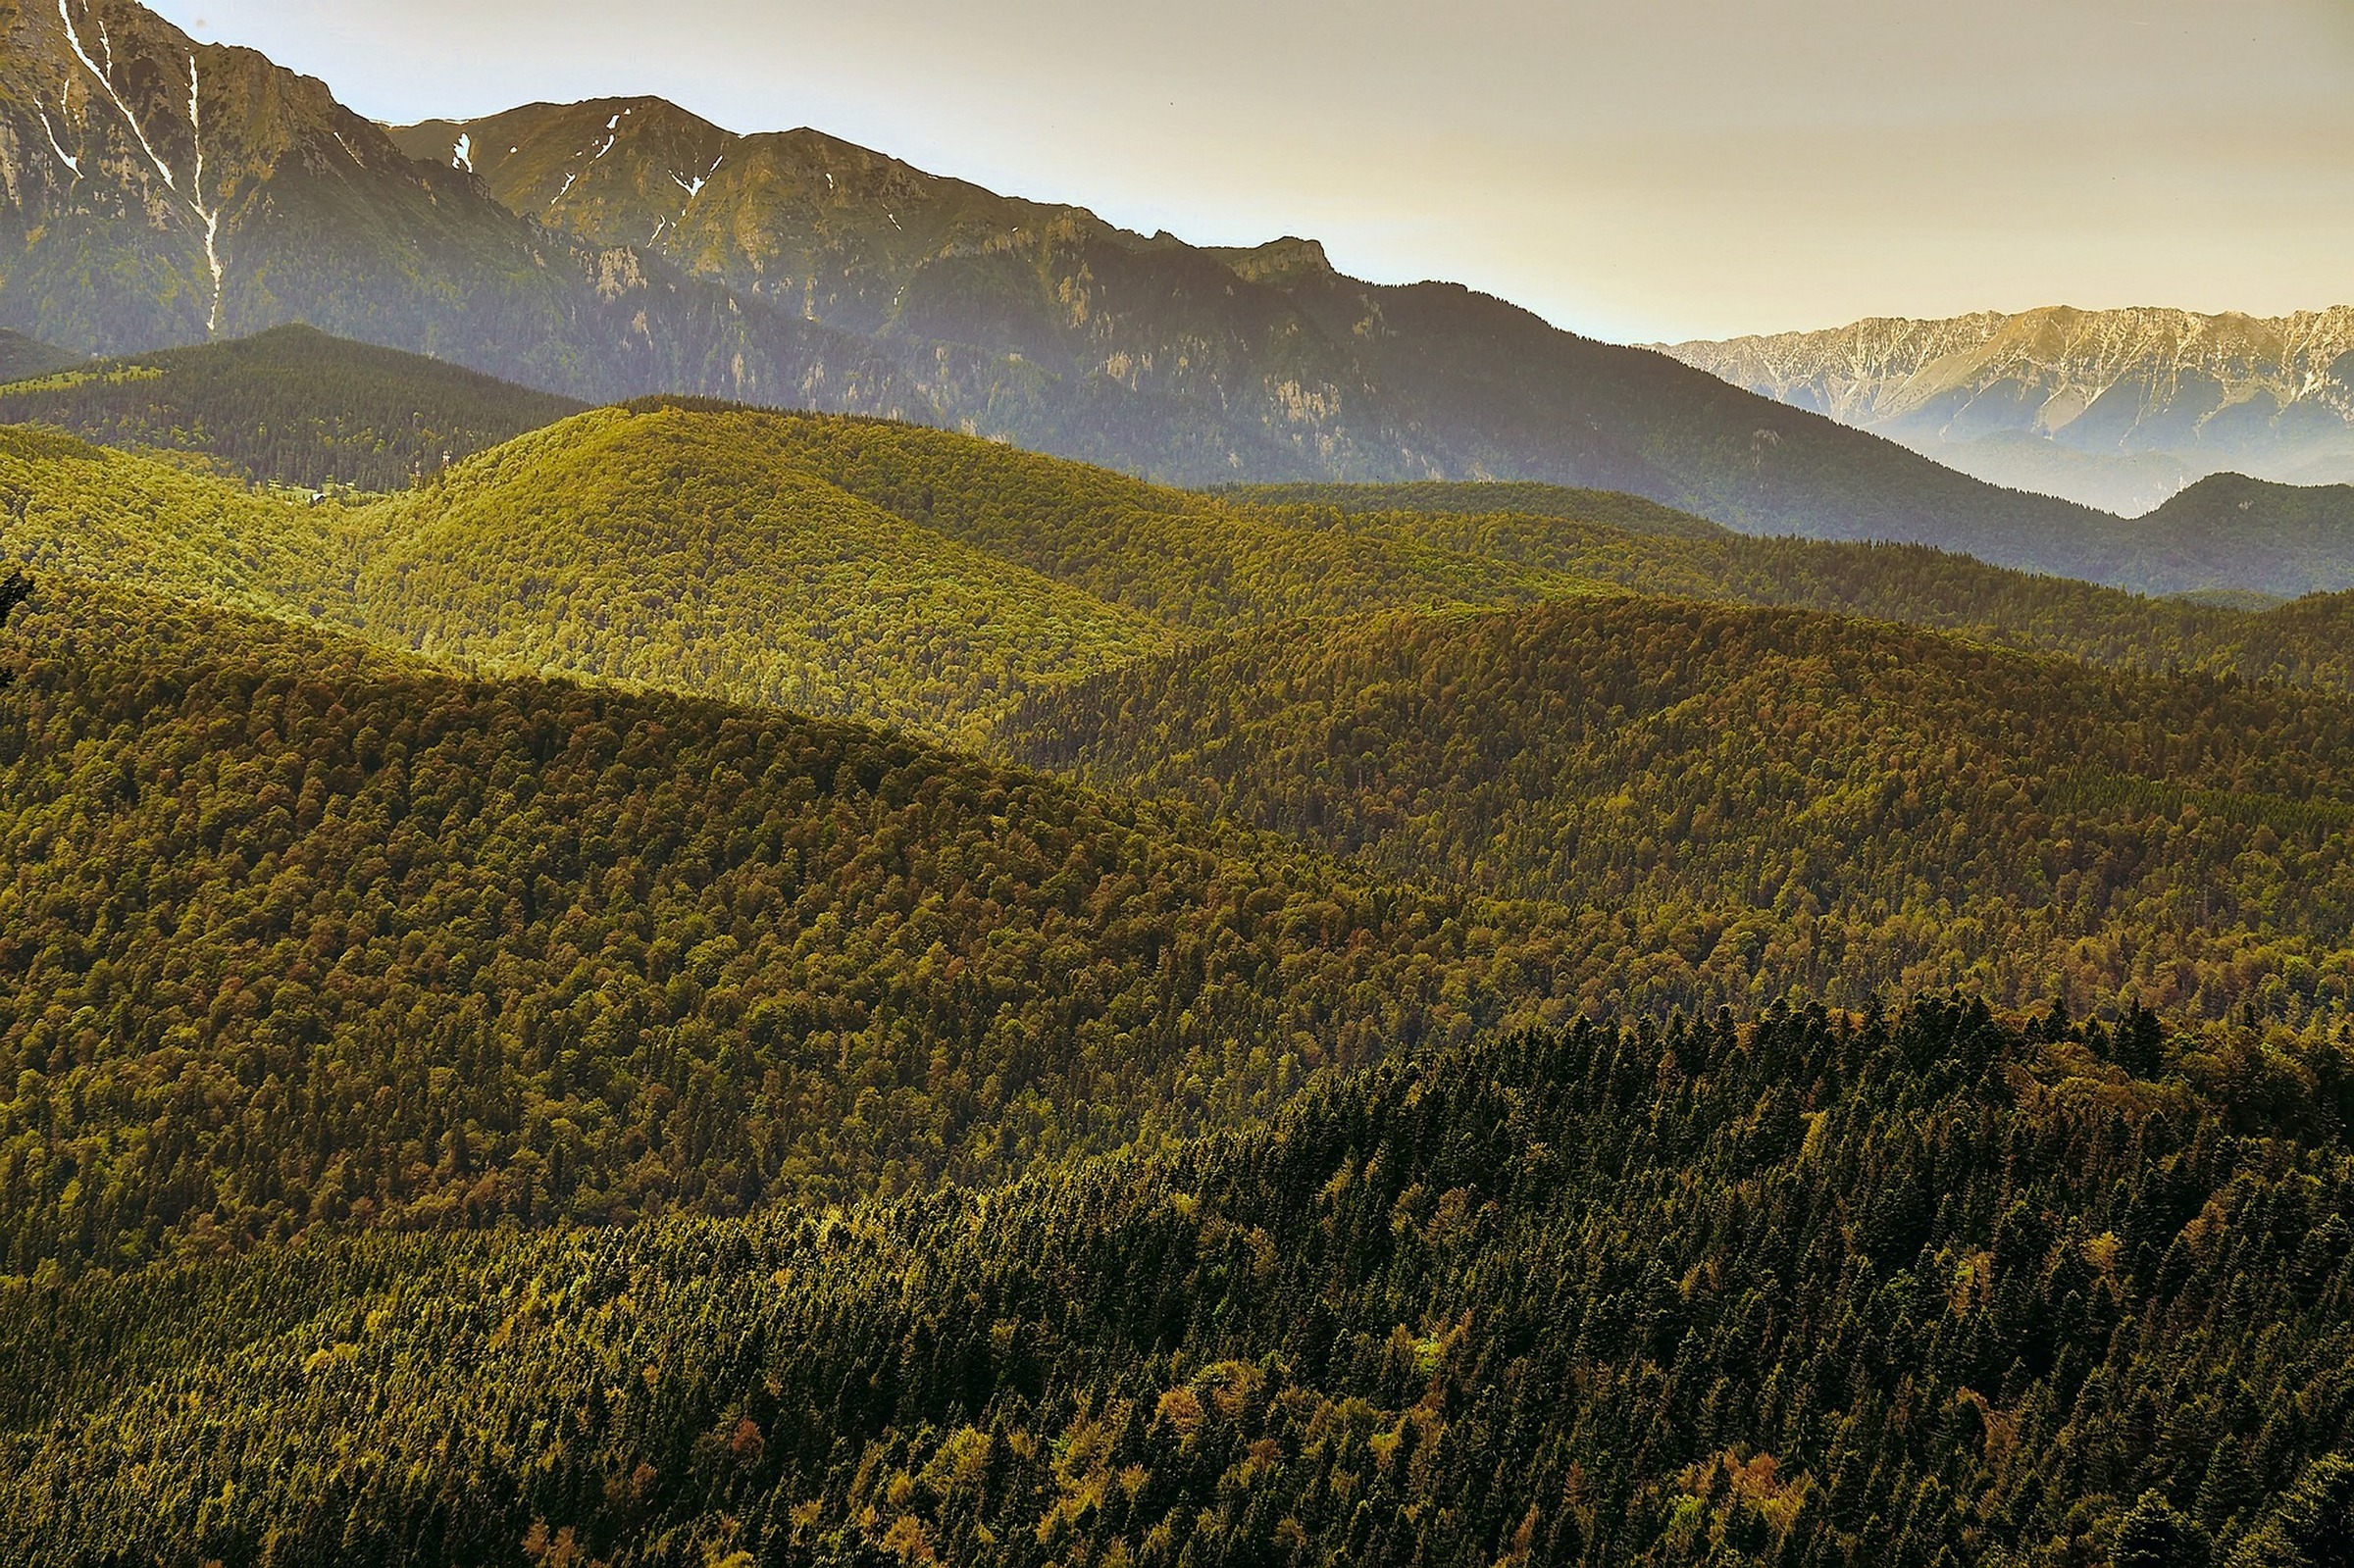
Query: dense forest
(292, 407)
(1891, 1291)
(921, 579)
(689, 553)
(295, 934)
(1508, 1026)
(1251, 556)
(1866, 806)
(1630, 514)
(101, 515)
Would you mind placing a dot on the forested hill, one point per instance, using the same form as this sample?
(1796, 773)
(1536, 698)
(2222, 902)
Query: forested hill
(291, 407)
(1616, 540)
(690, 551)
(22, 356)
(1902, 1293)
(1437, 498)
(931, 580)
(295, 934)
(1868, 806)
(1238, 558)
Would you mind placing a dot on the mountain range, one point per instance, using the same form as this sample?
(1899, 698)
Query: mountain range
(2118, 409)
(625, 246)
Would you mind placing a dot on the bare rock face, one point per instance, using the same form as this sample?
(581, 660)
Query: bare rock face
(2118, 409)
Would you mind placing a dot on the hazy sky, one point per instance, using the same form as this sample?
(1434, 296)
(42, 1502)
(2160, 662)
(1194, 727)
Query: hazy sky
(1632, 169)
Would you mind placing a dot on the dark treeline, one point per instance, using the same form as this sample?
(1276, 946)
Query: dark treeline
(1893, 1292)
(1613, 540)
(290, 407)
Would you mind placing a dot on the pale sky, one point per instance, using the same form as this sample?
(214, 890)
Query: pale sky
(1634, 170)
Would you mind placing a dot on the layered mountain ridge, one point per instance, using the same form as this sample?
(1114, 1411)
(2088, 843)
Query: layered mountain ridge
(626, 247)
(164, 192)
(2118, 409)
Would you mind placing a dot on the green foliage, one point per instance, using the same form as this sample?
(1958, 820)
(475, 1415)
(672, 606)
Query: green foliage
(67, 507)
(930, 580)
(1600, 542)
(2206, 537)
(293, 933)
(290, 407)
(1884, 1293)
(2312, 1526)
(1184, 559)
(1848, 807)
(690, 551)
(2309, 643)
(1431, 498)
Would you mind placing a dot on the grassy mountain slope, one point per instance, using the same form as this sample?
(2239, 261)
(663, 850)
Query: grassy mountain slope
(294, 933)
(290, 406)
(1912, 1291)
(1877, 808)
(686, 551)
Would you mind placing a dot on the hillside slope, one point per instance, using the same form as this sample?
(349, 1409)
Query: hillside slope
(1918, 1289)
(1213, 366)
(2309, 529)
(1586, 536)
(687, 551)
(297, 934)
(929, 581)
(290, 406)
(22, 356)
(1878, 809)
(2118, 409)
(67, 506)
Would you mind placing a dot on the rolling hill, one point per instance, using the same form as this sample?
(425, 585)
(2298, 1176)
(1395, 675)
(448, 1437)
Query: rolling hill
(1755, 792)
(298, 935)
(290, 406)
(67, 506)
(2310, 531)
(687, 551)
(930, 580)
(1203, 367)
